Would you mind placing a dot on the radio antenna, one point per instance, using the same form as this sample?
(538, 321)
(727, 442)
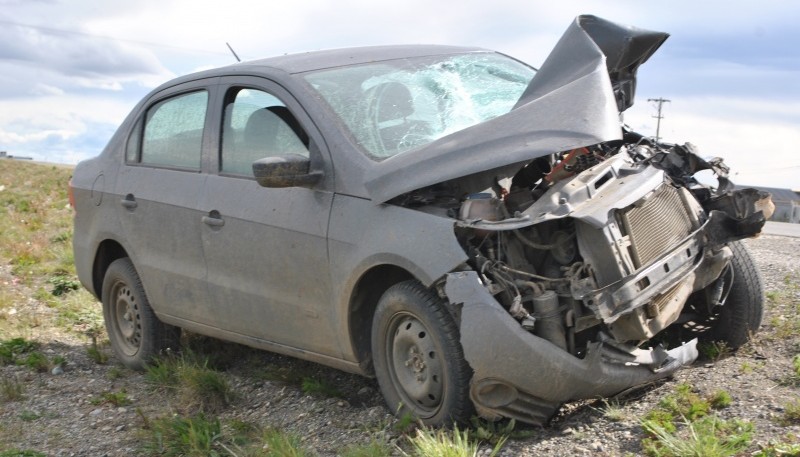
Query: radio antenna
(233, 52)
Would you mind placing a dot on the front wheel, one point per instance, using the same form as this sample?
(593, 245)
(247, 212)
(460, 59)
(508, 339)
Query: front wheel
(418, 357)
(743, 310)
(133, 329)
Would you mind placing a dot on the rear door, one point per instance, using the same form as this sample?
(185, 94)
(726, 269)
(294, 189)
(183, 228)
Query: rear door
(158, 190)
(266, 248)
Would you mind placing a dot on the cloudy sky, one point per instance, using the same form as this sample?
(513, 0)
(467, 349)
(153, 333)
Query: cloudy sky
(71, 70)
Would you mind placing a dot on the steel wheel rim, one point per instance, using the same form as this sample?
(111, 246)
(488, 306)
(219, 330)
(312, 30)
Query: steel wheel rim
(127, 318)
(415, 364)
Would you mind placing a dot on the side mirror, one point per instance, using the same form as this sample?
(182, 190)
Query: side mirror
(291, 170)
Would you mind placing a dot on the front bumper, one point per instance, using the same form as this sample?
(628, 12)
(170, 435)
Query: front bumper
(522, 376)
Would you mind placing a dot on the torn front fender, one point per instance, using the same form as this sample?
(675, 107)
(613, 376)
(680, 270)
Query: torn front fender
(522, 376)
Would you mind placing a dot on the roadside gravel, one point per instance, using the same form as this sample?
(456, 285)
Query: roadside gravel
(60, 414)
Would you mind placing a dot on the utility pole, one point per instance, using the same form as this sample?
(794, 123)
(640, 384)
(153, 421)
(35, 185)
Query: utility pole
(660, 102)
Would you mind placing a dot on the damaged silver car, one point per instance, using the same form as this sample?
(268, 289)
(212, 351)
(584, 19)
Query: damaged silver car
(478, 235)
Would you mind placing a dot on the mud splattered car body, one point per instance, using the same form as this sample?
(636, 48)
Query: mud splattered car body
(471, 231)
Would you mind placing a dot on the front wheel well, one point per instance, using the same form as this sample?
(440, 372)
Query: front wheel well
(107, 252)
(368, 290)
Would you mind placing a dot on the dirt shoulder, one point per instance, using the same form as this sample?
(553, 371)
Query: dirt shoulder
(73, 414)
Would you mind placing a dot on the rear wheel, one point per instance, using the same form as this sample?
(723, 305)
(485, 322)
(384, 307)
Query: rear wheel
(743, 310)
(418, 357)
(135, 332)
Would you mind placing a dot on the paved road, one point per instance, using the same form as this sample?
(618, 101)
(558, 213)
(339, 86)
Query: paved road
(782, 228)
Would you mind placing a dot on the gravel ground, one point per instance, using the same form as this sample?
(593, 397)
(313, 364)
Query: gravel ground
(59, 417)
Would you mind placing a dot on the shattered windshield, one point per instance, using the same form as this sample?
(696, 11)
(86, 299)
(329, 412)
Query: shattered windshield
(392, 106)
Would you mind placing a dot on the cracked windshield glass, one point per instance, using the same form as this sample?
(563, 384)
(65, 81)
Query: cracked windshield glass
(393, 106)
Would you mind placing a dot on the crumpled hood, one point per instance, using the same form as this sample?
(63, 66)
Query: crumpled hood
(573, 101)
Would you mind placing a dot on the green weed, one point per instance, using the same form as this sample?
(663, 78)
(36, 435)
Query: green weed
(497, 431)
(791, 413)
(21, 453)
(316, 386)
(114, 373)
(375, 448)
(443, 443)
(11, 389)
(714, 350)
(707, 437)
(405, 423)
(28, 416)
(97, 352)
(11, 350)
(281, 444)
(720, 399)
(177, 436)
(63, 285)
(116, 399)
(198, 387)
(779, 449)
(35, 360)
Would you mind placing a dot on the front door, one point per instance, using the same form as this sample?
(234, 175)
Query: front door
(266, 248)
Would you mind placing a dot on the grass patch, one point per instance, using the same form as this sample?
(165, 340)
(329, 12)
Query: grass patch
(97, 352)
(613, 410)
(780, 449)
(116, 399)
(319, 387)
(34, 210)
(720, 399)
(683, 425)
(375, 448)
(497, 431)
(63, 284)
(278, 443)
(198, 388)
(405, 423)
(11, 350)
(447, 443)
(791, 413)
(21, 453)
(707, 437)
(786, 307)
(178, 436)
(28, 416)
(11, 389)
(714, 350)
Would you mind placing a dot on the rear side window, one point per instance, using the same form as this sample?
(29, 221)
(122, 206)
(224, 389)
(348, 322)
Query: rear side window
(256, 125)
(173, 131)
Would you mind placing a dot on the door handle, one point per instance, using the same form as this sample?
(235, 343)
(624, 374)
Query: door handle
(129, 202)
(213, 219)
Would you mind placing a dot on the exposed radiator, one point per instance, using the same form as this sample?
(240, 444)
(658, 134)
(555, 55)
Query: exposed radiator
(656, 225)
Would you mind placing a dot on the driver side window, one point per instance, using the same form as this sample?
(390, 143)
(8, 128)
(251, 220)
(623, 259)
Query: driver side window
(256, 125)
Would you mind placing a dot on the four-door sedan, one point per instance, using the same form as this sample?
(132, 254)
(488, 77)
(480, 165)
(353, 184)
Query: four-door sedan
(478, 235)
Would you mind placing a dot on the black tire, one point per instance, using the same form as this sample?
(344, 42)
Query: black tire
(743, 310)
(418, 357)
(135, 332)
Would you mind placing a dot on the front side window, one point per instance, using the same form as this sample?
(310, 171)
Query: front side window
(393, 106)
(173, 131)
(257, 125)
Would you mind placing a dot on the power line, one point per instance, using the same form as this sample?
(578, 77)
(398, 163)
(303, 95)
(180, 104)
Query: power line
(660, 102)
(53, 30)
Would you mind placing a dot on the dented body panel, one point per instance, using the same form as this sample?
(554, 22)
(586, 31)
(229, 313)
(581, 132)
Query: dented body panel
(525, 377)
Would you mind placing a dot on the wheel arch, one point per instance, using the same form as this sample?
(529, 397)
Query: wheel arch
(364, 299)
(108, 251)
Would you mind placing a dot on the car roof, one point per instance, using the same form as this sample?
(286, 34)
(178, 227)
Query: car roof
(318, 60)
